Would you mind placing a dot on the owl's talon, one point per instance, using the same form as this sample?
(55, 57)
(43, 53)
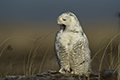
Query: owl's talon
(64, 70)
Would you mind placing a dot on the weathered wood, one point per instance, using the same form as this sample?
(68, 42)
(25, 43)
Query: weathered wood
(54, 75)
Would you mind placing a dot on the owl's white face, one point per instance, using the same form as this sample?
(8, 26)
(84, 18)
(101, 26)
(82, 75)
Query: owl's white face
(66, 20)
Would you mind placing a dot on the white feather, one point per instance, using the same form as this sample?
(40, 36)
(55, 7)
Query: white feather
(72, 47)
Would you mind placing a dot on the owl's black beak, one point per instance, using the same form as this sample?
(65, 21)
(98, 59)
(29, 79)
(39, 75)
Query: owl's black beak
(63, 26)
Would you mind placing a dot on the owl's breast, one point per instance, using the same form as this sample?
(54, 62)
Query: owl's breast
(68, 39)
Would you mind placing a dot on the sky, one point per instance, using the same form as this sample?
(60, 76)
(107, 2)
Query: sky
(49, 10)
(94, 15)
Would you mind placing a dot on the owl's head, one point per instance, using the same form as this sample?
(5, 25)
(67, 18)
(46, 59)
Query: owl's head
(67, 21)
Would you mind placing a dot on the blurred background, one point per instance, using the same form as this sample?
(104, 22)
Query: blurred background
(28, 28)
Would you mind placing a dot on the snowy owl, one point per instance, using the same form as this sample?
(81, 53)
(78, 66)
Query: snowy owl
(71, 46)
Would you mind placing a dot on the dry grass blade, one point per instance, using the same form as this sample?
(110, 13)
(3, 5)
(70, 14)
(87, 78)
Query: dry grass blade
(107, 63)
(28, 61)
(35, 52)
(104, 54)
(116, 68)
(29, 58)
(33, 71)
(43, 59)
(96, 53)
(5, 41)
(3, 50)
(111, 57)
(24, 68)
(116, 60)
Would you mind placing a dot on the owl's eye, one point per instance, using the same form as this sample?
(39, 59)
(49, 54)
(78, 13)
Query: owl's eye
(64, 19)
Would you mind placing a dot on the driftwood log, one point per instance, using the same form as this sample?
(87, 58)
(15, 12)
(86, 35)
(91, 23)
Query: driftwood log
(54, 75)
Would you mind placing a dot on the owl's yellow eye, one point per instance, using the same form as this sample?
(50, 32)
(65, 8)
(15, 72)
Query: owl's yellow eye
(64, 19)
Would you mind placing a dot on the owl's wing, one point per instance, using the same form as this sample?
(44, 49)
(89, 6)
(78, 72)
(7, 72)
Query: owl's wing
(60, 52)
(80, 50)
(62, 56)
(80, 56)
